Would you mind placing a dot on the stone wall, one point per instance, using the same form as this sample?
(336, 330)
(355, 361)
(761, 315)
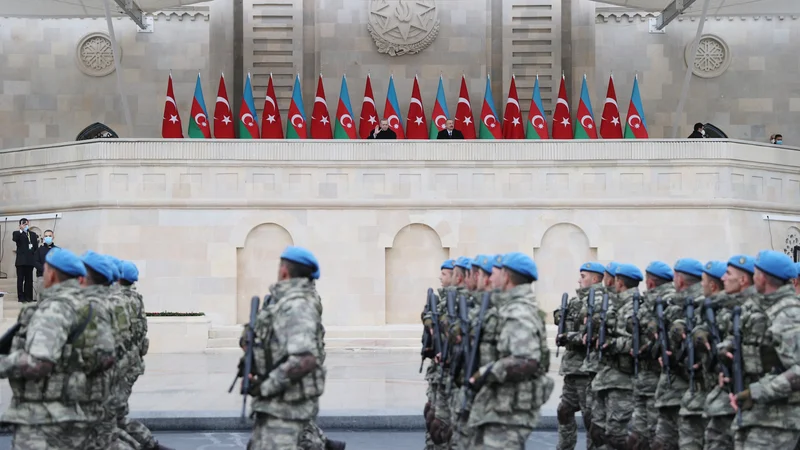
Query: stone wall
(754, 98)
(206, 221)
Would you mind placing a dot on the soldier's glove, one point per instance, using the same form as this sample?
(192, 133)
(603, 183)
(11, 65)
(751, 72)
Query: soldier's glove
(440, 432)
(744, 400)
(677, 332)
(701, 340)
(561, 340)
(557, 316)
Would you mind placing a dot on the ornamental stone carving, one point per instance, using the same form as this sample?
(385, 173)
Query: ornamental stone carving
(401, 27)
(95, 55)
(712, 58)
(792, 241)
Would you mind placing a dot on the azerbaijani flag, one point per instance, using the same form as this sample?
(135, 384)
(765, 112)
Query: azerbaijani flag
(636, 124)
(345, 127)
(536, 127)
(296, 128)
(490, 127)
(248, 116)
(585, 128)
(198, 126)
(392, 110)
(440, 115)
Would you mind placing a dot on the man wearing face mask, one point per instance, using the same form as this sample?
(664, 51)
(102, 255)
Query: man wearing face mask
(777, 139)
(699, 132)
(27, 242)
(39, 259)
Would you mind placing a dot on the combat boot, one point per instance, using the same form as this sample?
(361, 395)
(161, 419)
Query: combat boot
(330, 444)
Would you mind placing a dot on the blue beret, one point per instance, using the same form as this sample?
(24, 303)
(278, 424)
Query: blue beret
(611, 268)
(660, 270)
(66, 262)
(521, 263)
(303, 257)
(690, 266)
(100, 264)
(448, 264)
(777, 264)
(464, 262)
(593, 267)
(715, 269)
(116, 263)
(498, 261)
(129, 272)
(744, 262)
(484, 262)
(630, 271)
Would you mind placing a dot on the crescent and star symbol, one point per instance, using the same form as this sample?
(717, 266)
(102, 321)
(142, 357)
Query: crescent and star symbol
(533, 121)
(440, 125)
(271, 100)
(467, 121)
(561, 101)
(225, 101)
(565, 121)
(630, 121)
(615, 121)
(297, 125)
(244, 119)
(204, 122)
(418, 120)
(514, 102)
(591, 122)
(320, 100)
(486, 119)
(389, 119)
(172, 100)
(515, 122)
(415, 101)
(173, 119)
(346, 125)
(270, 118)
(612, 101)
(226, 119)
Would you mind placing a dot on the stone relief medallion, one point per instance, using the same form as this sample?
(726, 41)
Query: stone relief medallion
(401, 27)
(95, 55)
(792, 241)
(712, 58)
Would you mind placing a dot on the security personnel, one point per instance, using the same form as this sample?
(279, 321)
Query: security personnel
(739, 290)
(658, 280)
(576, 381)
(771, 404)
(688, 273)
(511, 389)
(55, 333)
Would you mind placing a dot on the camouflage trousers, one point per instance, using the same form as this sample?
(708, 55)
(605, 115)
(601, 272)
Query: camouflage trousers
(764, 438)
(644, 419)
(442, 409)
(107, 435)
(612, 416)
(272, 433)
(691, 432)
(138, 432)
(667, 434)
(462, 436)
(431, 375)
(66, 436)
(500, 437)
(719, 435)
(573, 399)
(312, 437)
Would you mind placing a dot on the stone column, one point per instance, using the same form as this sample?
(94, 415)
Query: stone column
(221, 42)
(578, 47)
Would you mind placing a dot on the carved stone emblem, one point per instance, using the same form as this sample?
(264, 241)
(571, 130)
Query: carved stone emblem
(402, 27)
(94, 55)
(712, 58)
(792, 241)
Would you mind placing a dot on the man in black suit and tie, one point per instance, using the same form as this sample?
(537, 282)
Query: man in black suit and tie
(27, 243)
(449, 131)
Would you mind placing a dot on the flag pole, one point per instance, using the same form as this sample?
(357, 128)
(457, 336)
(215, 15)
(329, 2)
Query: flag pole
(118, 68)
(688, 77)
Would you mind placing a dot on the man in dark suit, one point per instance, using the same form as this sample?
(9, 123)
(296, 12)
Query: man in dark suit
(450, 132)
(383, 131)
(27, 243)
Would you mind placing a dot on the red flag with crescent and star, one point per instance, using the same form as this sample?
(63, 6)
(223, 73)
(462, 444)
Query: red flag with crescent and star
(465, 121)
(562, 129)
(636, 124)
(223, 124)
(512, 119)
(391, 111)
(416, 124)
(271, 125)
(199, 128)
(171, 127)
(320, 117)
(610, 125)
(297, 126)
(369, 113)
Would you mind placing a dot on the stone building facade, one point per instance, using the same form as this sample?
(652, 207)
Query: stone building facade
(748, 88)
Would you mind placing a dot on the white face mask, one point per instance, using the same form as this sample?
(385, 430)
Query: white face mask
(703, 132)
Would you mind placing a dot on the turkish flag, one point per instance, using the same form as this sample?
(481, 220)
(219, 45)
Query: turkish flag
(610, 124)
(369, 113)
(416, 124)
(320, 117)
(465, 121)
(562, 128)
(171, 127)
(512, 119)
(223, 124)
(271, 126)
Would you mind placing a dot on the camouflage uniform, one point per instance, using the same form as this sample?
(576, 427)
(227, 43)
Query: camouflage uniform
(717, 407)
(592, 365)
(613, 384)
(288, 332)
(461, 437)
(576, 380)
(691, 422)
(670, 389)
(432, 376)
(645, 414)
(506, 407)
(49, 413)
(772, 375)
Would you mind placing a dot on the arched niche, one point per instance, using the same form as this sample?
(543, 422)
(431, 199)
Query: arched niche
(412, 266)
(563, 248)
(257, 264)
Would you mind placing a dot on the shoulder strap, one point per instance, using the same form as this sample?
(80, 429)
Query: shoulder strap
(79, 331)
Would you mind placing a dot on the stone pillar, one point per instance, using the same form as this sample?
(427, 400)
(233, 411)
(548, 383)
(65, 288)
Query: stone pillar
(578, 47)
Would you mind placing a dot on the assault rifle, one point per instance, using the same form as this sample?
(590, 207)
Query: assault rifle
(589, 321)
(472, 363)
(738, 376)
(451, 315)
(636, 343)
(437, 331)
(8, 338)
(689, 341)
(663, 338)
(426, 334)
(246, 364)
(715, 339)
(562, 325)
(601, 340)
(460, 362)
